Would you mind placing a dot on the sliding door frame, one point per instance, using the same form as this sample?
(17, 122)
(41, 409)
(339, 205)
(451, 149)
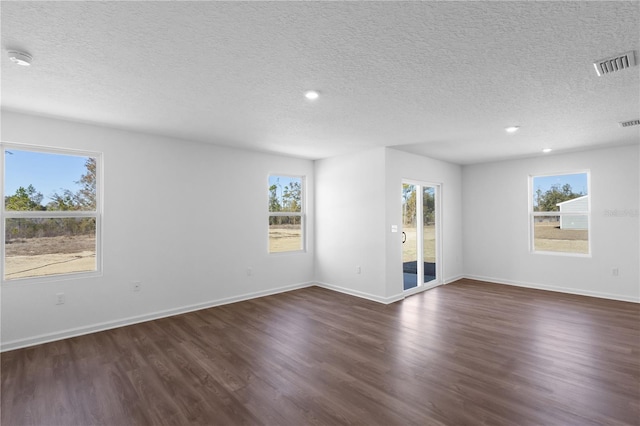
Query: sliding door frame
(420, 185)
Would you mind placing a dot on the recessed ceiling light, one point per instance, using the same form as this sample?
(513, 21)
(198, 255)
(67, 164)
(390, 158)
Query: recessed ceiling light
(547, 150)
(512, 129)
(312, 95)
(20, 58)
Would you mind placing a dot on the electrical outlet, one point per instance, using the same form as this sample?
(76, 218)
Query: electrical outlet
(249, 271)
(136, 285)
(615, 272)
(358, 270)
(60, 299)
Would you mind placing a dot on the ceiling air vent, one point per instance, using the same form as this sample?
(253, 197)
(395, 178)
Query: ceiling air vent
(615, 63)
(630, 123)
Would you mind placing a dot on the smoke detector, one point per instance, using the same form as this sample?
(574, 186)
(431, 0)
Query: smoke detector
(615, 63)
(20, 58)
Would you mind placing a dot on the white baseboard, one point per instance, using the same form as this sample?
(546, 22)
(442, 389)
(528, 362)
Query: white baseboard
(453, 279)
(567, 290)
(108, 325)
(385, 300)
(94, 328)
(363, 295)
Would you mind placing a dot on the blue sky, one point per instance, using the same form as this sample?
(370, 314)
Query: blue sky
(578, 182)
(283, 181)
(48, 173)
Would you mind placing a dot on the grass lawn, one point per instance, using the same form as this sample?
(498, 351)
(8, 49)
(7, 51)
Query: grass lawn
(429, 244)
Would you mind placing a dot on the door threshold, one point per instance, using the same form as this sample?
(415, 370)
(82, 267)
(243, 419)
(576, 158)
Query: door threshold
(420, 289)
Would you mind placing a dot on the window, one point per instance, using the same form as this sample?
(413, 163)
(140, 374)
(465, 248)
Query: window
(286, 213)
(560, 213)
(51, 213)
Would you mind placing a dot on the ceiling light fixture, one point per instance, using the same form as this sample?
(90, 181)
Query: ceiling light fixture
(547, 150)
(312, 95)
(512, 129)
(20, 58)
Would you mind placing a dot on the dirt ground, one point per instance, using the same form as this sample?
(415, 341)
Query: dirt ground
(35, 257)
(549, 237)
(552, 231)
(49, 245)
(284, 238)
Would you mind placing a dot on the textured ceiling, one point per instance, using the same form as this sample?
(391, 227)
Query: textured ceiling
(441, 79)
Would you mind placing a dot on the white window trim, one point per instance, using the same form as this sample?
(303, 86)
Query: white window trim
(97, 214)
(301, 214)
(532, 215)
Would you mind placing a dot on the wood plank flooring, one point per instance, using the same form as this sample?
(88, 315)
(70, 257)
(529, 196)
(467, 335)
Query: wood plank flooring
(466, 353)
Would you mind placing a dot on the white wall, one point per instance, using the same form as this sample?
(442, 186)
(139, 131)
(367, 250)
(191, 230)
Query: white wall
(193, 254)
(185, 218)
(495, 217)
(350, 223)
(357, 200)
(402, 165)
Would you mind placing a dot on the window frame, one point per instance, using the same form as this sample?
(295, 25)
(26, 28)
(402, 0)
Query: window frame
(10, 214)
(301, 214)
(533, 214)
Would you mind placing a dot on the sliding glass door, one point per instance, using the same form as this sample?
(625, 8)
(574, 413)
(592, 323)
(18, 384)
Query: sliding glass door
(420, 230)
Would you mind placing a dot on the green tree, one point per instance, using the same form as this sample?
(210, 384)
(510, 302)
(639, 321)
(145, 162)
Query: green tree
(274, 203)
(409, 205)
(65, 201)
(428, 207)
(291, 201)
(84, 198)
(25, 199)
(547, 201)
(291, 197)
(28, 199)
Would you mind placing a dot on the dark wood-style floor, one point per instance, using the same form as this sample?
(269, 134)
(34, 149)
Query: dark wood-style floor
(462, 354)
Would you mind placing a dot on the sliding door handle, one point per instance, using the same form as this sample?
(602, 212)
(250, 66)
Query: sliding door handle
(404, 237)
